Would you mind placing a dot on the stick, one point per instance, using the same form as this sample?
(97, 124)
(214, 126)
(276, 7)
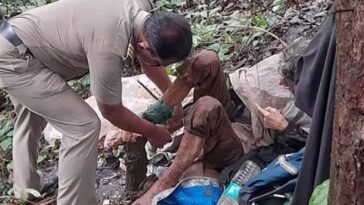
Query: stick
(260, 29)
(149, 91)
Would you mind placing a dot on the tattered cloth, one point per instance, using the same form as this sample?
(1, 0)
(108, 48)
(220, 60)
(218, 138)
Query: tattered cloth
(260, 84)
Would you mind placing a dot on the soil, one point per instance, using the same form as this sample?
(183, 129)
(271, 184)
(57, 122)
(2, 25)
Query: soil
(295, 23)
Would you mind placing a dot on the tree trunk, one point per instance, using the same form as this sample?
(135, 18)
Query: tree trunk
(136, 165)
(347, 161)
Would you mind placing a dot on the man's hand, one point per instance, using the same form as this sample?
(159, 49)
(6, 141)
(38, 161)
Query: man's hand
(159, 136)
(273, 118)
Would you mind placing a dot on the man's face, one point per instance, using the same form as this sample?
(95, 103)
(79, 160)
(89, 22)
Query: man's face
(147, 57)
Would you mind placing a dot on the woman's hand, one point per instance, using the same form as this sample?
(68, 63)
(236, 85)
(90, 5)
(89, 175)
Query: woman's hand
(146, 199)
(177, 120)
(159, 136)
(273, 119)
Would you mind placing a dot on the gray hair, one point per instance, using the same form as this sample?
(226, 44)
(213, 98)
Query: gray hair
(290, 56)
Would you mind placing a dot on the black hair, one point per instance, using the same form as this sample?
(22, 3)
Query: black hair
(169, 35)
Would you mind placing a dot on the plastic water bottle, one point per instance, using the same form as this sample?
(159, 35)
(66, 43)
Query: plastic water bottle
(231, 194)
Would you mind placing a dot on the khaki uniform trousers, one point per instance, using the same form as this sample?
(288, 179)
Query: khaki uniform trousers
(40, 96)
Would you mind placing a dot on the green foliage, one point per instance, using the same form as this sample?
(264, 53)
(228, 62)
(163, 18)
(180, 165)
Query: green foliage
(119, 151)
(169, 5)
(172, 69)
(259, 21)
(320, 194)
(48, 154)
(80, 85)
(6, 135)
(210, 32)
(11, 7)
(222, 32)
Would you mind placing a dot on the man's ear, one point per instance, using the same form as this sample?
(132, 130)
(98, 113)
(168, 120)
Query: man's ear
(143, 45)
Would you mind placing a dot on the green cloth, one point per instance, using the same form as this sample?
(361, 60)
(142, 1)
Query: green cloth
(158, 113)
(321, 194)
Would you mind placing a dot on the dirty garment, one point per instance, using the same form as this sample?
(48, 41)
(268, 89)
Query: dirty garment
(208, 117)
(260, 84)
(203, 73)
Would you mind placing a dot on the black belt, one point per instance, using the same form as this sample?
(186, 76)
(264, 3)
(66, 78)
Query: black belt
(8, 32)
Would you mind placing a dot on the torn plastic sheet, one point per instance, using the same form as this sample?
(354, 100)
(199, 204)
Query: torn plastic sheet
(135, 97)
(190, 191)
(160, 159)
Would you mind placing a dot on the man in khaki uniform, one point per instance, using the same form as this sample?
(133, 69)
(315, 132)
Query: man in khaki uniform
(66, 40)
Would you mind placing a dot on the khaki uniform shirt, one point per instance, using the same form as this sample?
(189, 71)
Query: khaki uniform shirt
(74, 37)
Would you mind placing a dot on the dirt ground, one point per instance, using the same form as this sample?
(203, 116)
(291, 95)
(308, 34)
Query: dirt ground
(297, 21)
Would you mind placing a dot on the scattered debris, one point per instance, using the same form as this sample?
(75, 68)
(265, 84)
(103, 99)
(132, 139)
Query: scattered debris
(226, 26)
